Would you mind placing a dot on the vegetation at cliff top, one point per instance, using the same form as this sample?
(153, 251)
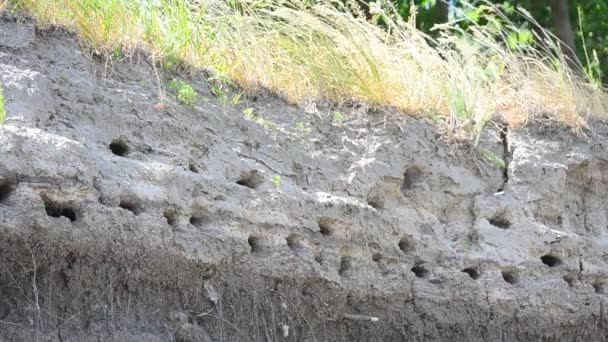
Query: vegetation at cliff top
(461, 73)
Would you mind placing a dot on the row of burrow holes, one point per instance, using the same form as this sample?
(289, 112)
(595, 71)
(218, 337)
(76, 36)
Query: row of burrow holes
(253, 180)
(294, 241)
(58, 210)
(406, 246)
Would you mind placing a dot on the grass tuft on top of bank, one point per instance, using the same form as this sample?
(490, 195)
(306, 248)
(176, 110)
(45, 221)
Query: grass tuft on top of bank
(304, 51)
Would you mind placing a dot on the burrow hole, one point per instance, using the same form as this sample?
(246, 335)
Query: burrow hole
(131, 206)
(255, 243)
(295, 242)
(199, 221)
(411, 177)
(55, 209)
(511, 277)
(406, 244)
(193, 168)
(252, 179)
(600, 288)
(119, 147)
(377, 257)
(420, 271)
(376, 201)
(327, 226)
(346, 264)
(500, 221)
(551, 260)
(569, 280)
(472, 272)
(6, 188)
(171, 217)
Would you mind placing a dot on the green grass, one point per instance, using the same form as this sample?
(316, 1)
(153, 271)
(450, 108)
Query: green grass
(276, 180)
(305, 52)
(184, 92)
(494, 159)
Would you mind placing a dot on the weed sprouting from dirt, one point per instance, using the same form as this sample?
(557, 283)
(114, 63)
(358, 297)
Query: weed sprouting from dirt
(186, 95)
(338, 117)
(493, 159)
(276, 180)
(249, 113)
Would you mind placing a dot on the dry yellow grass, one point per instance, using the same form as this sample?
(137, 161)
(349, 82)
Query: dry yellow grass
(304, 52)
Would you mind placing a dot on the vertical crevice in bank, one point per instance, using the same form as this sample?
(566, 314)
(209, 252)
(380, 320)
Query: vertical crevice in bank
(506, 155)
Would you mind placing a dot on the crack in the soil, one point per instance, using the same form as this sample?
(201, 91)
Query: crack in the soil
(259, 161)
(506, 155)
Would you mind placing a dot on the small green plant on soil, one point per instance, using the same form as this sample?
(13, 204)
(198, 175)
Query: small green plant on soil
(2, 109)
(302, 128)
(466, 244)
(436, 118)
(186, 95)
(252, 115)
(494, 159)
(219, 93)
(338, 117)
(117, 53)
(276, 180)
(236, 99)
(266, 123)
(218, 84)
(171, 63)
(249, 113)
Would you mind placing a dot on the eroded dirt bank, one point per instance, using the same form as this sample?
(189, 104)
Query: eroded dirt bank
(123, 223)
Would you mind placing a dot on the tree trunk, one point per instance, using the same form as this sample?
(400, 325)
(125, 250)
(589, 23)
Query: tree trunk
(563, 29)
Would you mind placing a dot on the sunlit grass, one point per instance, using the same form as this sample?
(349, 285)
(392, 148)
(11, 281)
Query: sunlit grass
(318, 53)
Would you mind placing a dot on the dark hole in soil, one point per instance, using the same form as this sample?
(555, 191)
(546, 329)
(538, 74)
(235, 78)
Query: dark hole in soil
(472, 273)
(500, 221)
(252, 179)
(119, 148)
(406, 244)
(411, 177)
(198, 221)
(346, 264)
(193, 168)
(131, 206)
(254, 243)
(5, 189)
(600, 288)
(171, 217)
(510, 277)
(327, 226)
(58, 210)
(294, 242)
(376, 202)
(420, 271)
(551, 260)
(376, 257)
